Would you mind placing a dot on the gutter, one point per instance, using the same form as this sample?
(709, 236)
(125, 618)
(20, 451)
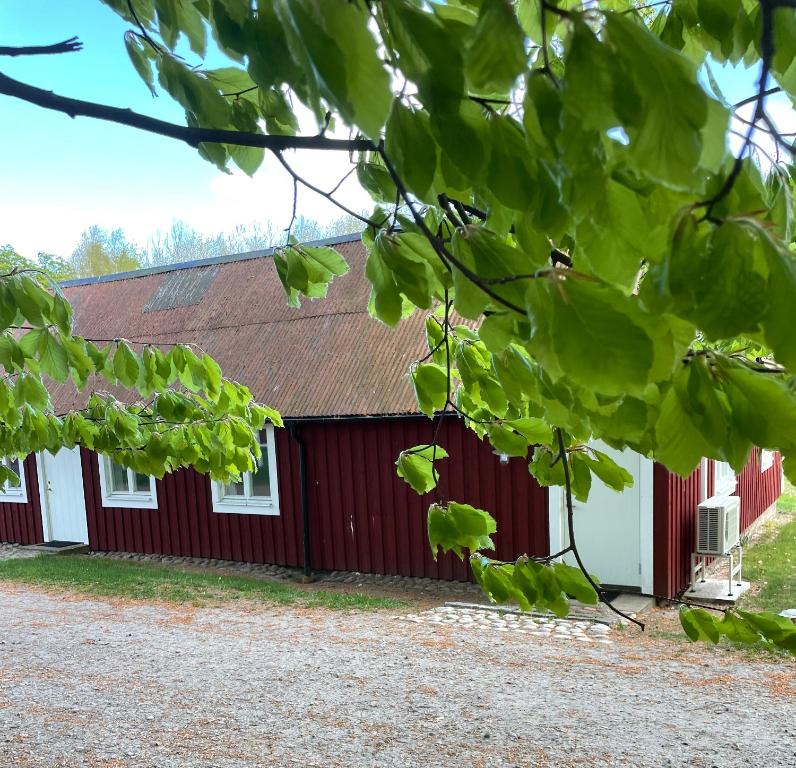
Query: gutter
(305, 499)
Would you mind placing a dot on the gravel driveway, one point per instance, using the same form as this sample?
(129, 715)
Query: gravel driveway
(114, 684)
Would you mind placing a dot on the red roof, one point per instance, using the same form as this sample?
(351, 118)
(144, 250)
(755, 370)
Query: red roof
(328, 358)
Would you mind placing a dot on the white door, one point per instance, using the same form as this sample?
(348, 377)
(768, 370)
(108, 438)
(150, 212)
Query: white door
(614, 530)
(63, 505)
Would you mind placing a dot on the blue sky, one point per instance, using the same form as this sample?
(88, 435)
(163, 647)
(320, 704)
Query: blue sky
(62, 175)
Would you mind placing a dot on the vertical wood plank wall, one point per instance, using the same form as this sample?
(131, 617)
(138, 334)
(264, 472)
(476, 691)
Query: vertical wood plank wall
(21, 523)
(363, 516)
(675, 502)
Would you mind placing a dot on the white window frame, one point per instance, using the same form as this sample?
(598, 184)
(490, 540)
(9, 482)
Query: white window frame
(724, 479)
(248, 504)
(766, 459)
(14, 494)
(131, 499)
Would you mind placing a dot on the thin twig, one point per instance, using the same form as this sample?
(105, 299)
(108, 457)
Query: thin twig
(750, 99)
(289, 228)
(143, 31)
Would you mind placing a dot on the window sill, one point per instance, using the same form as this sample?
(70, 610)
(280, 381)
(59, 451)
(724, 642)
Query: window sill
(130, 501)
(245, 507)
(13, 498)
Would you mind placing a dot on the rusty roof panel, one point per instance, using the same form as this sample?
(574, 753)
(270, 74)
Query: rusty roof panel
(328, 358)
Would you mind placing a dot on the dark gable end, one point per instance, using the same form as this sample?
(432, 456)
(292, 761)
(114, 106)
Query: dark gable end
(327, 359)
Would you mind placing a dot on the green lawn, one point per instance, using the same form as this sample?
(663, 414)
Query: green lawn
(141, 581)
(771, 563)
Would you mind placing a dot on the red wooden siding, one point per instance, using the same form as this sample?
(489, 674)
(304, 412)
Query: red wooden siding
(674, 533)
(21, 523)
(363, 517)
(758, 490)
(675, 501)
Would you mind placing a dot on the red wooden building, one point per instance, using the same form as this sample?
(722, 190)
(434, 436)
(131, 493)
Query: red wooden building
(340, 381)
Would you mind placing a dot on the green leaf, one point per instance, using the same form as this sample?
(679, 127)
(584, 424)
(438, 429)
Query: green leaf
(546, 467)
(579, 326)
(574, 583)
(28, 390)
(680, 446)
(614, 239)
(456, 527)
(52, 355)
(411, 147)
(137, 52)
(534, 430)
(718, 18)
(612, 474)
(511, 174)
(699, 624)
(377, 182)
(416, 466)
(248, 159)
(780, 314)
(342, 50)
(385, 296)
(665, 115)
(125, 364)
(580, 476)
(430, 382)
(496, 55)
(734, 628)
(777, 629)
(496, 583)
(507, 441)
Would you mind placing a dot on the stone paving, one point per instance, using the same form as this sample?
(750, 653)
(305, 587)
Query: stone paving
(494, 620)
(425, 588)
(13, 551)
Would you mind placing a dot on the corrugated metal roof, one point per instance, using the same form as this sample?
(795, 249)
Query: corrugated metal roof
(328, 358)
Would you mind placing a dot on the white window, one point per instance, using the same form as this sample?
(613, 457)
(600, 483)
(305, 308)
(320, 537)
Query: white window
(15, 494)
(724, 480)
(766, 459)
(122, 487)
(256, 493)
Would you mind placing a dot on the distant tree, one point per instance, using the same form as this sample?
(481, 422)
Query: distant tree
(184, 243)
(53, 265)
(11, 260)
(102, 252)
(58, 267)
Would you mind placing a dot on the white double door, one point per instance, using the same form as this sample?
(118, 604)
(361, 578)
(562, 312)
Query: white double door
(63, 504)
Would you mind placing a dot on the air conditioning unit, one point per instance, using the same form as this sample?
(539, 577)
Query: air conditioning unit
(718, 525)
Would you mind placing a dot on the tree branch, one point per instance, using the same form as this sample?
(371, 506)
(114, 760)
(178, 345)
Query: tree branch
(444, 254)
(191, 136)
(65, 46)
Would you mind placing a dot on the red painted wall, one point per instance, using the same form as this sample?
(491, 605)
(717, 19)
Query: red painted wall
(675, 501)
(363, 517)
(21, 523)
